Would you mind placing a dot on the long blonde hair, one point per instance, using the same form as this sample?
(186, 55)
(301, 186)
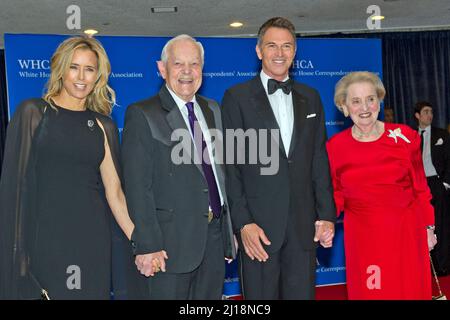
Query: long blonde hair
(102, 98)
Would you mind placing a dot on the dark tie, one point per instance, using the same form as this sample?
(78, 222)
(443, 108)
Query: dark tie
(214, 197)
(421, 140)
(273, 85)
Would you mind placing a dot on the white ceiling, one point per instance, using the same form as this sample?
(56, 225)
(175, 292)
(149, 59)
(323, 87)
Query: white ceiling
(211, 17)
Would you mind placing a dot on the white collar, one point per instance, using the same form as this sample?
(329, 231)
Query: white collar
(180, 102)
(426, 129)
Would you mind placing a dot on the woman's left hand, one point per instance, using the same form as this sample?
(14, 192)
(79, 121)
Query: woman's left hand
(432, 240)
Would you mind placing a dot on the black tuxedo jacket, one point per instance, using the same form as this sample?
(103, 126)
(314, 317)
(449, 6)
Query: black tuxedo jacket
(168, 202)
(440, 153)
(302, 186)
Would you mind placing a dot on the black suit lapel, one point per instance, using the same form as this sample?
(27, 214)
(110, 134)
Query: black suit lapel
(299, 104)
(261, 104)
(176, 122)
(174, 116)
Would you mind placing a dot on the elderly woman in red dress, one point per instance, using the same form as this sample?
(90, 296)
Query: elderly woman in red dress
(379, 183)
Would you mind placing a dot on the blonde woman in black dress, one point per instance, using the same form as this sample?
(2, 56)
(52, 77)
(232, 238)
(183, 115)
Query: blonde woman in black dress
(61, 181)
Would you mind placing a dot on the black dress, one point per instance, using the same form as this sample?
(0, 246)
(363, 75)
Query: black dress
(71, 257)
(54, 217)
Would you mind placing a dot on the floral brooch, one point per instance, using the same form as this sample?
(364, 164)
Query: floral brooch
(397, 133)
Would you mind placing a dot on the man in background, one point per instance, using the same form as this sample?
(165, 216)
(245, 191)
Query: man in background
(436, 160)
(389, 114)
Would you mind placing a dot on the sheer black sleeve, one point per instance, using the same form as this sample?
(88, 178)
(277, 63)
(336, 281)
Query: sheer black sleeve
(112, 134)
(15, 189)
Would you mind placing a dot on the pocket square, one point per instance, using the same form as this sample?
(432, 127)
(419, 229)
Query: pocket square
(312, 115)
(439, 142)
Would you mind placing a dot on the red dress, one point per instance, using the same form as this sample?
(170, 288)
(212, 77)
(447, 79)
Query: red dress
(382, 189)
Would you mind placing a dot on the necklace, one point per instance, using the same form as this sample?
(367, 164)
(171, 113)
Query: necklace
(375, 132)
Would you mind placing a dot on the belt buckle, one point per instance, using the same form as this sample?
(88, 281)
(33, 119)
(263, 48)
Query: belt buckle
(210, 215)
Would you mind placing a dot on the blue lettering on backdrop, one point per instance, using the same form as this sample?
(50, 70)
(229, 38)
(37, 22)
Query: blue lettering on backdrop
(319, 63)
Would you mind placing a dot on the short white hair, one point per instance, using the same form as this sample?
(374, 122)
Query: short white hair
(165, 50)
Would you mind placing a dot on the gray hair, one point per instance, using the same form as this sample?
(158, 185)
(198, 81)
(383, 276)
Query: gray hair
(340, 90)
(165, 50)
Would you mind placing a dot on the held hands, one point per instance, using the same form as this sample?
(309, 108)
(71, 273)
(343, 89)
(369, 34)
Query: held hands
(151, 263)
(432, 239)
(252, 235)
(324, 233)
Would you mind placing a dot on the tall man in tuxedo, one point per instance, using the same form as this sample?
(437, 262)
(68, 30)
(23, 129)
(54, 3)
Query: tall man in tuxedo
(279, 217)
(436, 161)
(179, 207)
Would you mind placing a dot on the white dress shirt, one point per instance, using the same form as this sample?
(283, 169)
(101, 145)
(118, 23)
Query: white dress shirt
(283, 109)
(203, 126)
(430, 170)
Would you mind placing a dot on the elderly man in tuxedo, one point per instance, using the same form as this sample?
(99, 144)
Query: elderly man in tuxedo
(279, 217)
(436, 160)
(183, 229)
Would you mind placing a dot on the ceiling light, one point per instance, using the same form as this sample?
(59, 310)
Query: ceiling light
(90, 32)
(377, 17)
(236, 24)
(164, 9)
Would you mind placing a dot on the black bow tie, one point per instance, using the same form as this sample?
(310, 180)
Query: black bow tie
(273, 85)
